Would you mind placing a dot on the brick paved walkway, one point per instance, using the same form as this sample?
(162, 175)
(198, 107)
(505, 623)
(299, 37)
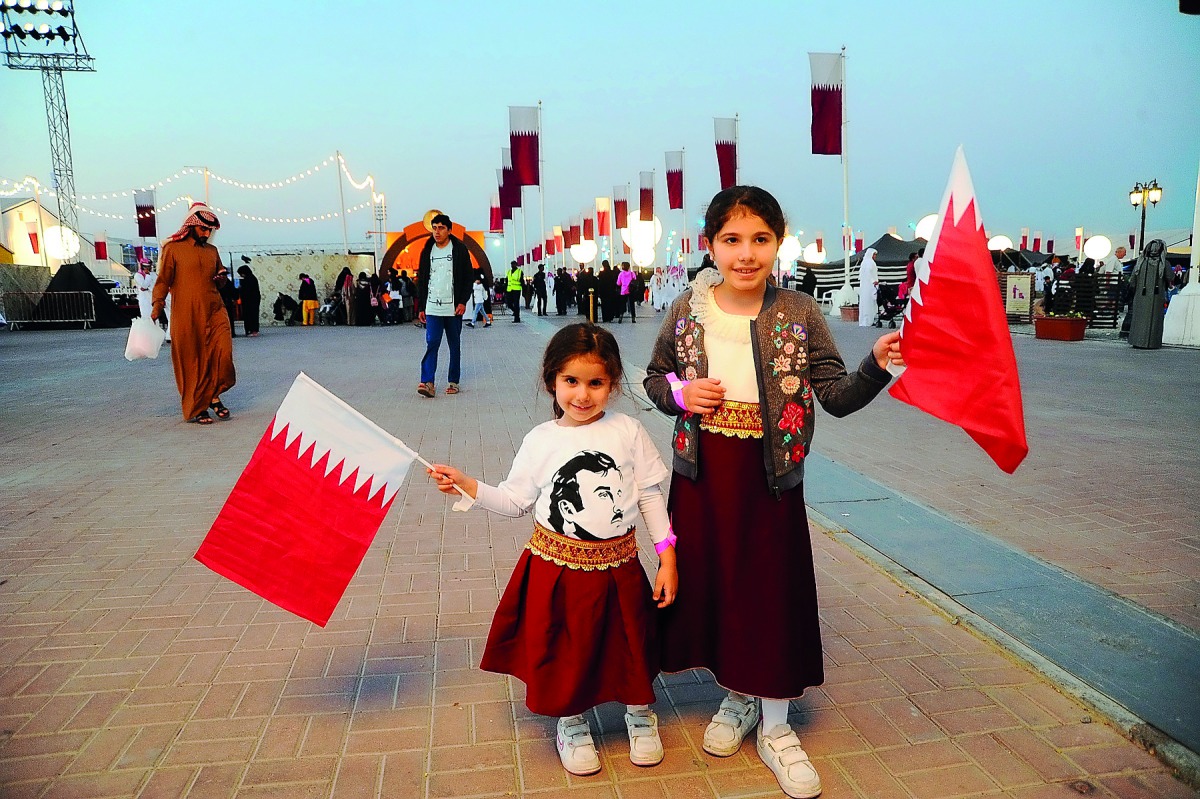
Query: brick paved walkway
(127, 669)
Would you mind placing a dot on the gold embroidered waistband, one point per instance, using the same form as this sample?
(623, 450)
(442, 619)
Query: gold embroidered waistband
(734, 419)
(585, 555)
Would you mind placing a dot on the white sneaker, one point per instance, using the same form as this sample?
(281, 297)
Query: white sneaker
(576, 749)
(645, 747)
(781, 751)
(732, 723)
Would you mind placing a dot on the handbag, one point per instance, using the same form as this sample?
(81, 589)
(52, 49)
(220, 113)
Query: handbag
(145, 339)
(374, 301)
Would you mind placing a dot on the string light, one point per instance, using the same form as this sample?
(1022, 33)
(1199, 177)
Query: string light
(24, 185)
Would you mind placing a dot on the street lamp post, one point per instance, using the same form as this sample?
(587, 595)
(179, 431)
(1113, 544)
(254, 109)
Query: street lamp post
(1143, 193)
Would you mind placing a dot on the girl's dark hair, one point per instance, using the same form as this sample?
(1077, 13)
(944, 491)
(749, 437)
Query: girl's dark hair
(582, 339)
(739, 200)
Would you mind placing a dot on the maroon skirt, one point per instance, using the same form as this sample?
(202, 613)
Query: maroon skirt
(576, 638)
(747, 604)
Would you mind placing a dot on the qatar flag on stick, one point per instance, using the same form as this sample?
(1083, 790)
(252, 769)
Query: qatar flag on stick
(827, 84)
(537, 253)
(603, 217)
(31, 228)
(300, 518)
(510, 187)
(589, 228)
(646, 197)
(523, 139)
(496, 216)
(560, 243)
(955, 339)
(621, 207)
(102, 247)
(550, 246)
(725, 135)
(576, 229)
(1024, 238)
(675, 179)
(143, 205)
(1037, 241)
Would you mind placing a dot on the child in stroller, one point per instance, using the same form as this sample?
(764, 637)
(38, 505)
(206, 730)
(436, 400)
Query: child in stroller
(331, 312)
(890, 305)
(287, 310)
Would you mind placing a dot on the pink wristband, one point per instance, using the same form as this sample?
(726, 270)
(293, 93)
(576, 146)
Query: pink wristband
(677, 389)
(666, 543)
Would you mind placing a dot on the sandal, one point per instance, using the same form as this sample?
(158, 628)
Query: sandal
(219, 409)
(201, 418)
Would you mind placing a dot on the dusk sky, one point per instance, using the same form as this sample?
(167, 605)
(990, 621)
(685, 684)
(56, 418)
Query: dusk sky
(1061, 107)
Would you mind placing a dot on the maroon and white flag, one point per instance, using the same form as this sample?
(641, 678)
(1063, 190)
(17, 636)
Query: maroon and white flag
(510, 187)
(702, 240)
(550, 250)
(496, 217)
(1050, 246)
(675, 179)
(102, 247)
(621, 207)
(646, 197)
(31, 228)
(725, 130)
(537, 253)
(521, 259)
(955, 339)
(502, 195)
(827, 85)
(603, 216)
(143, 204)
(1132, 240)
(560, 242)
(589, 228)
(523, 135)
(1037, 241)
(304, 511)
(576, 230)
(687, 245)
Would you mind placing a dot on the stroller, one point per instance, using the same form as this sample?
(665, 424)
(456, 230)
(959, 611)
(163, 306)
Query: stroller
(331, 313)
(287, 310)
(890, 304)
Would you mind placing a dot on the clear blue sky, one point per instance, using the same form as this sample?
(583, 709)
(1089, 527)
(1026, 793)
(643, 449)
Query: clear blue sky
(1061, 106)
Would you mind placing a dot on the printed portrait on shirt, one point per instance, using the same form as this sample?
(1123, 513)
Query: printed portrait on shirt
(585, 498)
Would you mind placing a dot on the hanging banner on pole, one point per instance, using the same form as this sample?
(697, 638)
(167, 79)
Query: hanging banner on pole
(523, 138)
(826, 103)
(675, 179)
(603, 217)
(725, 134)
(143, 204)
(621, 207)
(646, 197)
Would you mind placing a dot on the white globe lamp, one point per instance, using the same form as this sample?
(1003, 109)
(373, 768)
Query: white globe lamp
(812, 255)
(584, 252)
(1097, 247)
(789, 249)
(925, 226)
(1000, 242)
(643, 257)
(61, 243)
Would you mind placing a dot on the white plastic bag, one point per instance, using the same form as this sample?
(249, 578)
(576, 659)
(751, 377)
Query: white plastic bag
(145, 339)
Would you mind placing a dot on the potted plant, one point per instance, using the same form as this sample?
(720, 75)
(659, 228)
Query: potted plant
(849, 313)
(1060, 327)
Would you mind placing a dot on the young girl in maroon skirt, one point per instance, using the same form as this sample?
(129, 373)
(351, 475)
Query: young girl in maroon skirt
(739, 361)
(576, 622)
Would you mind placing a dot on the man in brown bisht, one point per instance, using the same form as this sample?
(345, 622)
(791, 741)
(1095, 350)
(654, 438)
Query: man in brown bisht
(201, 339)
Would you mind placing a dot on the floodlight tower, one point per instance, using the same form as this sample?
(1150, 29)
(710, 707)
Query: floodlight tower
(42, 35)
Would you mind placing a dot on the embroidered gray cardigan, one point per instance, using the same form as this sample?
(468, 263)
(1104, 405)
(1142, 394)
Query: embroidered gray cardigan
(795, 358)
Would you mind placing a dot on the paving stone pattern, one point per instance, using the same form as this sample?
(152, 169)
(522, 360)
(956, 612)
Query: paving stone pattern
(129, 670)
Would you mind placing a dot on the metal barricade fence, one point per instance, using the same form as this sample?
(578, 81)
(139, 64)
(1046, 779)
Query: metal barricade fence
(58, 307)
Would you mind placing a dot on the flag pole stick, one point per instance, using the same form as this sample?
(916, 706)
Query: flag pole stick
(341, 201)
(847, 233)
(541, 182)
(686, 250)
(737, 144)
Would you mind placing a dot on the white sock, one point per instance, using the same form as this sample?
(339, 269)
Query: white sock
(636, 708)
(774, 714)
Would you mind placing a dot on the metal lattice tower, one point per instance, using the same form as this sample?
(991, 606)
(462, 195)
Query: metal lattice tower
(42, 35)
